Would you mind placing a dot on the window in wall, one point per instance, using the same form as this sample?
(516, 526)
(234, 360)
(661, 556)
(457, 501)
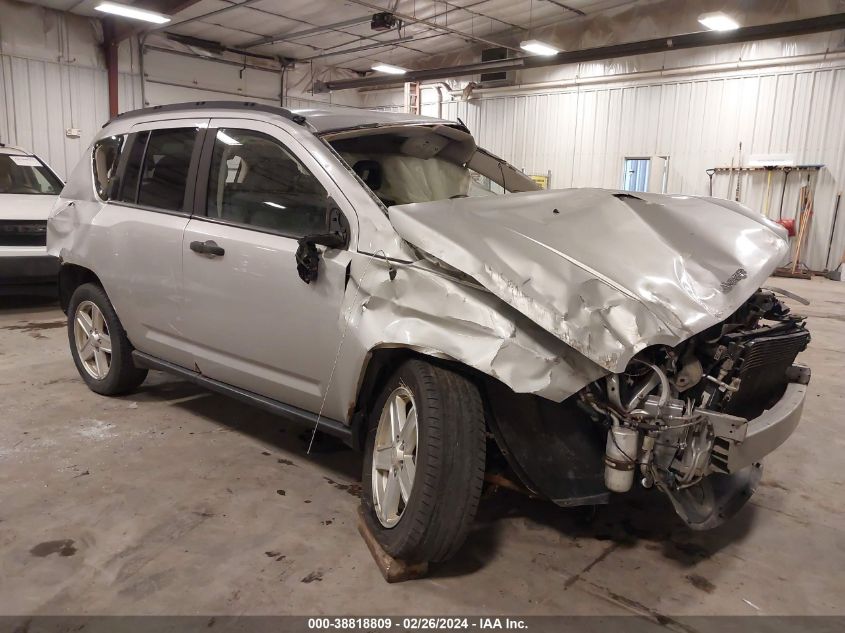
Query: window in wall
(132, 171)
(664, 182)
(635, 174)
(255, 181)
(165, 171)
(105, 158)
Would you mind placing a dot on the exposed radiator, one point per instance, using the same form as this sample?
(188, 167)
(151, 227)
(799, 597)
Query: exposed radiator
(762, 371)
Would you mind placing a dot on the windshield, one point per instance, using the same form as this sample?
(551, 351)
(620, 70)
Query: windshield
(399, 179)
(411, 164)
(27, 175)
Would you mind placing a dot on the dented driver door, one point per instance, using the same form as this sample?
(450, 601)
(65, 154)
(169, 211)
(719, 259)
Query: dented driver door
(253, 323)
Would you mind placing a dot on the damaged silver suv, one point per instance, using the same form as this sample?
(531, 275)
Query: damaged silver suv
(383, 278)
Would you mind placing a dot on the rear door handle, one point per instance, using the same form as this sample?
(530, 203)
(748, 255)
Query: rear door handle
(209, 247)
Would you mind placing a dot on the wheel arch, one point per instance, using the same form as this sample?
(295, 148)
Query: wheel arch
(551, 447)
(71, 276)
(380, 363)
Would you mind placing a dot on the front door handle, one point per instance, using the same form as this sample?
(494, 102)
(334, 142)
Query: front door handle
(209, 247)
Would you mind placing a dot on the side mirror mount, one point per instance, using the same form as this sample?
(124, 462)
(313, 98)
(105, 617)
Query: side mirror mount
(307, 255)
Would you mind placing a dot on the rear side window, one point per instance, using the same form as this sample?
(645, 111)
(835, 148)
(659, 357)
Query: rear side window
(164, 175)
(104, 162)
(157, 165)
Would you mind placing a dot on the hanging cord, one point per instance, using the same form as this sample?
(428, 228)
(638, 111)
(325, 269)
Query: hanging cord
(343, 338)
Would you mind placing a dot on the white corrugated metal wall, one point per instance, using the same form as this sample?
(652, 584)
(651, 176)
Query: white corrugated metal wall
(41, 100)
(582, 134)
(53, 78)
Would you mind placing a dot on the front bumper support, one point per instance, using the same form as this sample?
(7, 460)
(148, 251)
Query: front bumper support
(769, 430)
(735, 462)
(739, 443)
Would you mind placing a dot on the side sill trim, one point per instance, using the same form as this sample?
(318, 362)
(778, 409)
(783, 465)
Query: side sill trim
(295, 414)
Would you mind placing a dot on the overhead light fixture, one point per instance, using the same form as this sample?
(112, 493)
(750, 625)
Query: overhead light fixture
(275, 204)
(718, 21)
(225, 138)
(539, 48)
(131, 12)
(390, 70)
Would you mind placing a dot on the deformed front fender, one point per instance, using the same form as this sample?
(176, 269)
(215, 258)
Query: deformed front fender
(425, 309)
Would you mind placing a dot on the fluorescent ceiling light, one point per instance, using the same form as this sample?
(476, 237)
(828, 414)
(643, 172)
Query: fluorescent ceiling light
(718, 21)
(275, 204)
(390, 70)
(132, 12)
(225, 138)
(539, 48)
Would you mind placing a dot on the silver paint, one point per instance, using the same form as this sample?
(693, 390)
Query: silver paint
(606, 273)
(556, 300)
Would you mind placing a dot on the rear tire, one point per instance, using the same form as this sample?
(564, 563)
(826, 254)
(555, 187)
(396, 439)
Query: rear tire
(448, 463)
(101, 352)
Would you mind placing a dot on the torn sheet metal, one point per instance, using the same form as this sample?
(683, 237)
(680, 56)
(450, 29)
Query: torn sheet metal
(605, 272)
(425, 310)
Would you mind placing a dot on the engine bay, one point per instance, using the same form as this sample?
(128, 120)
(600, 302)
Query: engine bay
(674, 414)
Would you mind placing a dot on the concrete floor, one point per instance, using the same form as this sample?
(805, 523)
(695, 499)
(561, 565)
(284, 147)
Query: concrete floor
(177, 501)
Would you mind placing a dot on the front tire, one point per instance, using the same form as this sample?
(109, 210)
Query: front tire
(424, 462)
(101, 352)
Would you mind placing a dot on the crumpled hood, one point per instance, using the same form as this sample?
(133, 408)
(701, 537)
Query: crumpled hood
(607, 272)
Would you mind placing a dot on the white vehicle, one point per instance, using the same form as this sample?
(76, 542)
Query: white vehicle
(28, 190)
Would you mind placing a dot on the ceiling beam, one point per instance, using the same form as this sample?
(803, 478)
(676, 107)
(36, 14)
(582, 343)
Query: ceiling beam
(291, 35)
(127, 28)
(410, 19)
(657, 45)
(566, 7)
(202, 16)
(357, 49)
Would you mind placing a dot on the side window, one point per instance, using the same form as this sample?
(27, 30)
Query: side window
(129, 178)
(255, 181)
(164, 174)
(105, 157)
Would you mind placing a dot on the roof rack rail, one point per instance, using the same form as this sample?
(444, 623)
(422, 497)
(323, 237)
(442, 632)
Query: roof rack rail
(15, 147)
(213, 105)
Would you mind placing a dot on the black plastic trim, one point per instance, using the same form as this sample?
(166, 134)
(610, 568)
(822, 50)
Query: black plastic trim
(139, 207)
(295, 414)
(28, 270)
(203, 169)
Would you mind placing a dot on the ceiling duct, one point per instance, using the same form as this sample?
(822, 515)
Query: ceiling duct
(500, 77)
(657, 45)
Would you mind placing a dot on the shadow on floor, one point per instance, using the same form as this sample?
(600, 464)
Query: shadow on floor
(639, 518)
(29, 304)
(285, 435)
(642, 517)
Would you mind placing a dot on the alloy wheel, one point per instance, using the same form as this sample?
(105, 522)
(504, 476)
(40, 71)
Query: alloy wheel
(92, 339)
(395, 456)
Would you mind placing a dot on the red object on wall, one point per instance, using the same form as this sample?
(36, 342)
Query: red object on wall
(789, 225)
